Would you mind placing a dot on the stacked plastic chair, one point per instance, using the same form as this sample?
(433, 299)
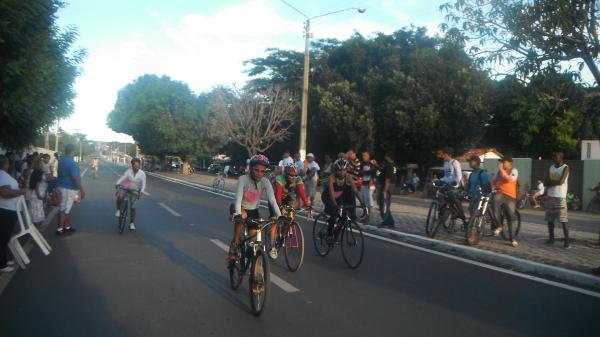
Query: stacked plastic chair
(26, 227)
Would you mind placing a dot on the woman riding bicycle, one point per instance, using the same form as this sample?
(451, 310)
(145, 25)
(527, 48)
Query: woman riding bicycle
(340, 190)
(250, 188)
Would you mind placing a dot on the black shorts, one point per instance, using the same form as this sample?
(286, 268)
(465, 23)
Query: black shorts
(251, 213)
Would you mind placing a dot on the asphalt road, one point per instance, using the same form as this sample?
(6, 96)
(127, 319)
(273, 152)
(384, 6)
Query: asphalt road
(169, 278)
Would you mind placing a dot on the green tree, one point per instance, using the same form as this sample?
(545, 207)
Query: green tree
(37, 69)
(532, 34)
(160, 114)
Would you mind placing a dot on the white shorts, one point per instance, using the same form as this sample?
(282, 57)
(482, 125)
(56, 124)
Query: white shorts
(67, 197)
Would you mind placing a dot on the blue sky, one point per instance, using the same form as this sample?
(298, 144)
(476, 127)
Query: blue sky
(204, 43)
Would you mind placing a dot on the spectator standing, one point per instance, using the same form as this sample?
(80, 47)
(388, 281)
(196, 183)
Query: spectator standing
(68, 184)
(479, 181)
(414, 182)
(9, 193)
(285, 161)
(506, 184)
(557, 186)
(299, 164)
(327, 167)
(367, 174)
(311, 180)
(385, 188)
(37, 191)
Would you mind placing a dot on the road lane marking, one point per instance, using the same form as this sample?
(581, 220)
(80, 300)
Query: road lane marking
(169, 209)
(278, 281)
(426, 250)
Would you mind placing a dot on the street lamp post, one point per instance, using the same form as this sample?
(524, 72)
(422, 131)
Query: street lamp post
(307, 36)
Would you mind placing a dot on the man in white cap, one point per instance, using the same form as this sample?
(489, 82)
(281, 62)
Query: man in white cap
(310, 182)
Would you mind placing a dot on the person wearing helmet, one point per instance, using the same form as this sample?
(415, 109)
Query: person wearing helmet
(339, 191)
(131, 184)
(250, 188)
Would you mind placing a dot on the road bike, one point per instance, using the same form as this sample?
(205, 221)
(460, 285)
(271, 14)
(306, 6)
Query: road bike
(290, 237)
(484, 215)
(219, 182)
(125, 210)
(345, 232)
(251, 255)
(443, 211)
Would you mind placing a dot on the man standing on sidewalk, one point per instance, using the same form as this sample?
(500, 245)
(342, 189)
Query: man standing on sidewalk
(557, 185)
(69, 182)
(386, 183)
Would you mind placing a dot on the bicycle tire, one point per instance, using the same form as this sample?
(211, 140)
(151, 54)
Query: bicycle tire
(516, 224)
(432, 217)
(352, 238)
(521, 203)
(320, 235)
(123, 215)
(294, 242)
(259, 282)
(444, 215)
(236, 269)
(474, 230)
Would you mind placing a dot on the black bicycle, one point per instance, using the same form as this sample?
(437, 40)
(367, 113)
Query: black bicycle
(485, 215)
(444, 212)
(125, 211)
(290, 237)
(250, 254)
(345, 232)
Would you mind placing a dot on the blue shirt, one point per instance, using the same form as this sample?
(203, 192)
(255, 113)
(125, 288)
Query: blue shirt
(67, 169)
(479, 178)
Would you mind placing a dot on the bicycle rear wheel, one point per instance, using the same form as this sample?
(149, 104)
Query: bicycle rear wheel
(320, 235)
(294, 247)
(474, 230)
(432, 217)
(516, 224)
(353, 245)
(123, 215)
(259, 282)
(236, 269)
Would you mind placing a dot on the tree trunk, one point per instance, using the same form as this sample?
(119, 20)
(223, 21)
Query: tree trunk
(589, 61)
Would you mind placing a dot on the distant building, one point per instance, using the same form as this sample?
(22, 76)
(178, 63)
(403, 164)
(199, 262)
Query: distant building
(590, 149)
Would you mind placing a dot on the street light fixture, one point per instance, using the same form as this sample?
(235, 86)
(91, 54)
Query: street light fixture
(307, 35)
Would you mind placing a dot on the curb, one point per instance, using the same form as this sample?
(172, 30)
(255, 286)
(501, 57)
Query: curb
(496, 259)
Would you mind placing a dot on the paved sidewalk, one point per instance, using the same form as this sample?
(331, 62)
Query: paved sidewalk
(410, 218)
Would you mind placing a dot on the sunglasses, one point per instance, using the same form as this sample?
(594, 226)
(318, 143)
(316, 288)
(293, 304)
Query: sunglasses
(292, 175)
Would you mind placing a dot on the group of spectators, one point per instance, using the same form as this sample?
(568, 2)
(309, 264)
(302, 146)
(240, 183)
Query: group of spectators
(41, 179)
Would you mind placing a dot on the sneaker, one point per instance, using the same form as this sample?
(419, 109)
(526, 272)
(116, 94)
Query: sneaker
(118, 213)
(131, 227)
(514, 243)
(567, 245)
(273, 253)
(549, 242)
(7, 269)
(59, 232)
(70, 230)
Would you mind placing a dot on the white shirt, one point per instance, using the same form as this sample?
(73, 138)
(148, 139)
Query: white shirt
(559, 191)
(299, 166)
(137, 181)
(313, 166)
(7, 180)
(540, 189)
(286, 161)
(452, 173)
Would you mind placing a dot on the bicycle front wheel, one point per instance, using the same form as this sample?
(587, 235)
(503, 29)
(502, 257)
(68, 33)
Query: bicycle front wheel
(259, 282)
(432, 217)
(294, 247)
(353, 245)
(123, 216)
(443, 218)
(516, 224)
(320, 235)
(474, 230)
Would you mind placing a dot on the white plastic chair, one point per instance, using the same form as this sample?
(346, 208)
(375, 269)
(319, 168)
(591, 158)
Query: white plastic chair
(26, 227)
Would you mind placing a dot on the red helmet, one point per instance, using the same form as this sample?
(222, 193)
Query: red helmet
(290, 169)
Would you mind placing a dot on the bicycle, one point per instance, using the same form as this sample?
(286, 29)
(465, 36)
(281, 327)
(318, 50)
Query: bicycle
(290, 237)
(125, 211)
(250, 254)
(485, 215)
(351, 238)
(219, 182)
(441, 210)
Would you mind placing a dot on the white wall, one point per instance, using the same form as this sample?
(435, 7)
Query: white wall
(590, 149)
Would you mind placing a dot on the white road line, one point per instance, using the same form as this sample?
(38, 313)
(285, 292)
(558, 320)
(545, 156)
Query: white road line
(475, 263)
(169, 209)
(278, 281)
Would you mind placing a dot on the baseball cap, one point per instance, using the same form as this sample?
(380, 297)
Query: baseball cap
(310, 155)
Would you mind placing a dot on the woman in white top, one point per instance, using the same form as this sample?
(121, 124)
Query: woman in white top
(131, 183)
(9, 193)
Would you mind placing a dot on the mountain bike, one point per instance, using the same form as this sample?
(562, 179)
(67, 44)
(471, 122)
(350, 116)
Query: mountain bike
(442, 211)
(125, 211)
(290, 237)
(250, 254)
(219, 182)
(344, 232)
(485, 215)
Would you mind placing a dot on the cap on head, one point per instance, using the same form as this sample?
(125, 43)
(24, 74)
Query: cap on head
(310, 155)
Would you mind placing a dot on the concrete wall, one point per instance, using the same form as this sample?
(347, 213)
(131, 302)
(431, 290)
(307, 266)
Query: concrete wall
(591, 177)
